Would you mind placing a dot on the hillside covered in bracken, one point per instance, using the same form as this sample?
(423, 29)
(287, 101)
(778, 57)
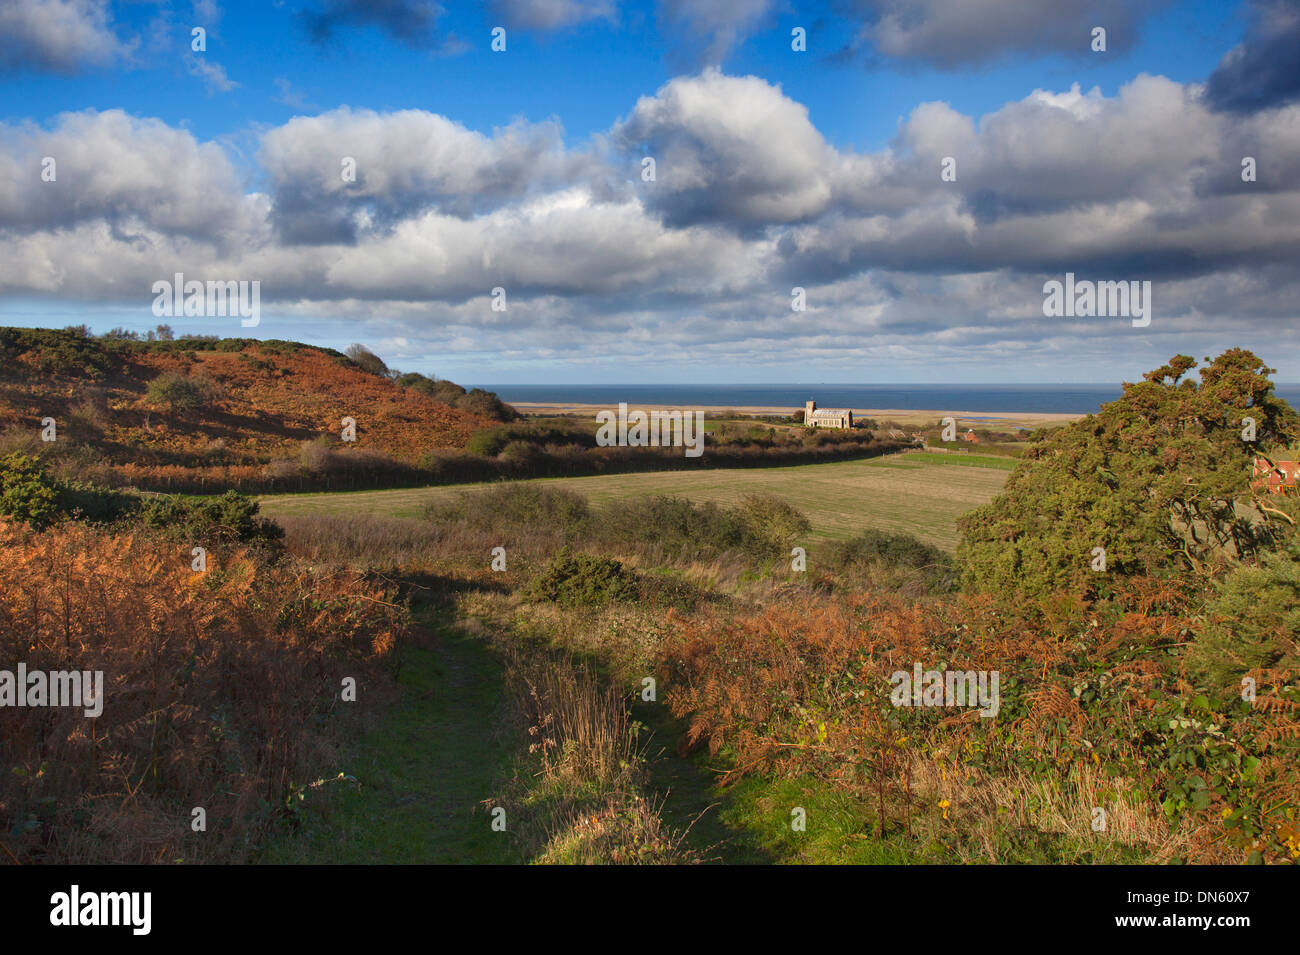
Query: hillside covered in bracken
(196, 413)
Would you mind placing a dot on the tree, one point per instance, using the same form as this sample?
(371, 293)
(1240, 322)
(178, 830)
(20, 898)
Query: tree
(367, 360)
(1160, 479)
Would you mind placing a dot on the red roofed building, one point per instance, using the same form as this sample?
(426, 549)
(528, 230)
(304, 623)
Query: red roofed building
(1278, 477)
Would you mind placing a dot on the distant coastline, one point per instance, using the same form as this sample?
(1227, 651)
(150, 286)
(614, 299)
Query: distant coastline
(906, 417)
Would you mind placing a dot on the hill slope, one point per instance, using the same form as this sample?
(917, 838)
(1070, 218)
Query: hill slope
(233, 407)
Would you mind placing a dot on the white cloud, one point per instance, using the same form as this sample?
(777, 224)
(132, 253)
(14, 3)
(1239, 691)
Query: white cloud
(212, 74)
(749, 200)
(552, 14)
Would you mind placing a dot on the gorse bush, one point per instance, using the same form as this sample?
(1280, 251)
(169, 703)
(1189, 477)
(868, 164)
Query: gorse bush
(29, 493)
(760, 526)
(578, 580)
(228, 518)
(902, 551)
(770, 525)
(26, 494)
(1157, 479)
(1251, 623)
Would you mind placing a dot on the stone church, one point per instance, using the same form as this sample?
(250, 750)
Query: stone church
(814, 417)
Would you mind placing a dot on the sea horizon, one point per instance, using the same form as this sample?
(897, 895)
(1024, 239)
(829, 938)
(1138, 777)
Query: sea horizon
(1008, 398)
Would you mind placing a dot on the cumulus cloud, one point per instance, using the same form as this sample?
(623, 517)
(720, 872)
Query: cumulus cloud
(62, 36)
(405, 162)
(1264, 70)
(116, 168)
(749, 200)
(950, 34)
(731, 149)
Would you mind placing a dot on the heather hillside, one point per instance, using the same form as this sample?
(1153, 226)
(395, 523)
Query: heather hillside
(219, 411)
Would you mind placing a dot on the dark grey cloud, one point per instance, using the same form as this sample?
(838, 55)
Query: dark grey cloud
(1263, 71)
(412, 22)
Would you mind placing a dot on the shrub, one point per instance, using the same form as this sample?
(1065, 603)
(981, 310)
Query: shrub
(894, 550)
(522, 455)
(492, 441)
(180, 393)
(487, 404)
(26, 494)
(1252, 622)
(673, 522)
(65, 352)
(516, 505)
(577, 580)
(29, 493)
(771, 525)
(316, 457)
(229, 518)
(487, 442)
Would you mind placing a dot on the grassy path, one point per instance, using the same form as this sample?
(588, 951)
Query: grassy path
(423, 772)
(690, 801)
(436, 754)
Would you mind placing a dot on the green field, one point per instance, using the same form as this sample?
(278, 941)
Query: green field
(917, 493)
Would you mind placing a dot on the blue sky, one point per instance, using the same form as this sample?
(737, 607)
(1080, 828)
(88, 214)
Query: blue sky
(520, 170)
(587, 75)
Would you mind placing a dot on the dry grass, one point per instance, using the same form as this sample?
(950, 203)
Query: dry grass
(1062, 804)
(580, 728)
(583, 792)
(625, 831)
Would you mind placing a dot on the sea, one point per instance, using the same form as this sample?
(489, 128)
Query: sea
(993, 399)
